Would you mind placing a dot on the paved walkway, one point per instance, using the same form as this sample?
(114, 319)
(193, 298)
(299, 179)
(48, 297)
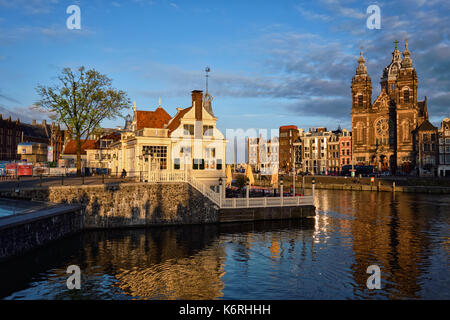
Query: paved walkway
(31, 182)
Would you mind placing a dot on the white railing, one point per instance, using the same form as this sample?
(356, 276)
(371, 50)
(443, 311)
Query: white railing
(260, 202)
(204, 189)
(266, 202)
(163, 176)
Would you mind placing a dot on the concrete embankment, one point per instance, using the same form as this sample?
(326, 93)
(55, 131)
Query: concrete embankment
(381, 188)
(380, 184)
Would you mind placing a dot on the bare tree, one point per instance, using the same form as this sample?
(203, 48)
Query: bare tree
(81, 101)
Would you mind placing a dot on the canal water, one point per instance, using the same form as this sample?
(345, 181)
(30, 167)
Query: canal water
(326, 257)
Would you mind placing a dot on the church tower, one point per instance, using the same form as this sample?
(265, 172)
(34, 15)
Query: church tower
(361, 87)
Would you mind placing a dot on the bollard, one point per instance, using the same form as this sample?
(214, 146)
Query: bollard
(303, 185)
(393, 186)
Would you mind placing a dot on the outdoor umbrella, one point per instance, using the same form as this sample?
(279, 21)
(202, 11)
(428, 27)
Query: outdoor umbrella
(274, 180)
(249, 174)
(229, 176)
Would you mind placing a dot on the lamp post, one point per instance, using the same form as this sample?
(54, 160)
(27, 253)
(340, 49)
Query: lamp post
(281, 190)
(220, 191)
(313, 182)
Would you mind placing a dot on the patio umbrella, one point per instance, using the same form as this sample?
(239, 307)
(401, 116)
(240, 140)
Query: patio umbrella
(274, 180)
(229, 176)
(249, 174)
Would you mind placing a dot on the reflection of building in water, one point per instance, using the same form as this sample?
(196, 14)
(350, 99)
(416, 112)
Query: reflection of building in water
(275, 249)
(195, 277)
(322, 220)
(387, 232)
(167, 264)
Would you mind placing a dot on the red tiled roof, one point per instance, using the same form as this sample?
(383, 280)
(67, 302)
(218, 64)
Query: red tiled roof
(152, 119)
(173, 125)
(288, 127)
(71, 146)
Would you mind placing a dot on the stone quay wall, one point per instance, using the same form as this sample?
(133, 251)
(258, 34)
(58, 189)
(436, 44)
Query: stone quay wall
(129, 205)
(23, 232)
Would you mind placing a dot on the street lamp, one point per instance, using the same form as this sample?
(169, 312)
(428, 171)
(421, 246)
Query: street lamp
(220, 191)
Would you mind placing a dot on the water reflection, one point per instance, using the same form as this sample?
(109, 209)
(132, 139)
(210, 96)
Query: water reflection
(407, 235)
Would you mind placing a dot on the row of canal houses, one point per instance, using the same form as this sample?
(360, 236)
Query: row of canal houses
(153, 141)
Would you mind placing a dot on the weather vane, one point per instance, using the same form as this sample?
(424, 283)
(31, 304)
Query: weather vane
(207, 70)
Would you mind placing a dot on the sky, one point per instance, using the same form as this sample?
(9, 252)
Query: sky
(272, 62)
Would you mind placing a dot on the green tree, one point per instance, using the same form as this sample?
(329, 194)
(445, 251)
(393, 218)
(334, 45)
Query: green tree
(81, 101)
(241, 181)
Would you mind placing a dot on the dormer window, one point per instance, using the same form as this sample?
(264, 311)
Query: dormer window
(105, 143)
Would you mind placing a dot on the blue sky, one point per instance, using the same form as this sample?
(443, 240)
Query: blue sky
(272, 62)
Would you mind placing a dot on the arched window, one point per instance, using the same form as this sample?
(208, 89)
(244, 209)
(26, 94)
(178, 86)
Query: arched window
(406, 95)
(360, 100)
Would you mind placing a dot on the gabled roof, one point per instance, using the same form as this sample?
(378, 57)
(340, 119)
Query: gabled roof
(288, 127)
(175, 123)
(426, 126)
(71, 146)
(152, 119)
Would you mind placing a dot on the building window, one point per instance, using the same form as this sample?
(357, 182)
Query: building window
(198, 164)
(219, 164)
(159, 154)
(188, 129)
(176, 163)
(360, 100)
(208, 131)
(210, 156)
(406, 95)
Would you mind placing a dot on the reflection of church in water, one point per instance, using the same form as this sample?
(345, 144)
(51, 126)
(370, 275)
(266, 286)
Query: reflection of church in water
(383, 131)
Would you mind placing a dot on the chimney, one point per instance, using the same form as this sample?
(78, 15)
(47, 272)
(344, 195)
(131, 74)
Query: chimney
(34, 122)
(197, 103)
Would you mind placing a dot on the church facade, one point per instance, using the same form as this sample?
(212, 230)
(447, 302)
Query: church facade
(383, 131)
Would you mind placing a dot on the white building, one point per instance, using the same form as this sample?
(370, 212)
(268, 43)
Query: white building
(263, 154)
(156, 142)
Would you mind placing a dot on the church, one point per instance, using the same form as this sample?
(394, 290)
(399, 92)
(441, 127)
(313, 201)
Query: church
(384, 131)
